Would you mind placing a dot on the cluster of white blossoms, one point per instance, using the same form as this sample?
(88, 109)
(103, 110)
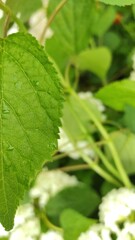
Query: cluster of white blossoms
(132, 74)
(51, 235)
(27, 224)
(73, 149)
(49, 183)
(116, 217)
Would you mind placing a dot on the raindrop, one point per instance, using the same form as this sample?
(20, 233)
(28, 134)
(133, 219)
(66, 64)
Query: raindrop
(6, 111)
(10, 148)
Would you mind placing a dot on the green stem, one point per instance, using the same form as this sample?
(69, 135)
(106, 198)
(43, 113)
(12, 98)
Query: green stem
(8, 11)
(106, 136)
(47, 222)
(99, 170)
(75, 168)
(105, 161)
(51, 18)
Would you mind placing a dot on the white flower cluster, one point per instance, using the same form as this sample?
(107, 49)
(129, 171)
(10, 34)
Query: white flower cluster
(116, 216)
(51, 235)
(27, 224)
(71, 149)
(48, 183)
(132, 74)
(95, 102)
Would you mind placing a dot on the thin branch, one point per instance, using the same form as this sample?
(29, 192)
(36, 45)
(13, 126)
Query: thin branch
(8, 11)
(51, 18)
(75, 168)
(6, 25)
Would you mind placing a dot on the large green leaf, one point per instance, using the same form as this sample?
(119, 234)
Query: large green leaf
(30, 97)
(118, 94)
(72, 27)
(74, 224)
(24, 8)
(118, 2)
(97, 60)
(71, 197)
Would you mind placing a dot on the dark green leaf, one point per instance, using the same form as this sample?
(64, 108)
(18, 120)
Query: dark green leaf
(80, 198)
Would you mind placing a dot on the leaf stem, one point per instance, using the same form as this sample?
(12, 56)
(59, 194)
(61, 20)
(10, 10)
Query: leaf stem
(47, 222)
(120, 168)
(8, 11)
(99, 170)
(105, 161)
(51, 18)
(6, 25)
(75, 167)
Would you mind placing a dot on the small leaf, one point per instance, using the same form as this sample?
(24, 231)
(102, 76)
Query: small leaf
(118, 94)
(30, 98)
(118, 2)
(74, 224)
(71, 197)
(97, 60)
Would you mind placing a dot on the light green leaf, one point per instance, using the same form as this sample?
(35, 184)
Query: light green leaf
(30, 99)
(71, 197)
(97, 60)
(24, 8)
(125, 145)
(118, 2)
(118, 94)
(72, 29)
(74, 224)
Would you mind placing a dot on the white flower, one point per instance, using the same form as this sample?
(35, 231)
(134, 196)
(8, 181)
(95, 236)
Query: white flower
(51, 235)
(128, 232)
(48, 183)
(96, 232)
(71, 149)
(3, 233)
(27, 226)
(116, 208)
(96, 103)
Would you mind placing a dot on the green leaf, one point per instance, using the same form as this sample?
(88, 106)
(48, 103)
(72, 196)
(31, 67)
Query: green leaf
(129, 118)
(118, 2)
(72, 30)
(104, 19)
(80, 198)
(30, 98)
(125, 145)
(118, 94)
(24, 8)
(74, 224)
(97, 60)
